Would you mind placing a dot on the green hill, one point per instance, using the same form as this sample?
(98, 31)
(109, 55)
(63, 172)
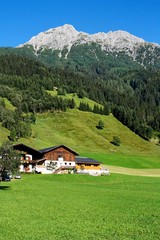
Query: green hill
(77, 130)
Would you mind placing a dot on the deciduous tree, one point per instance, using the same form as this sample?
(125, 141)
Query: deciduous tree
(9, 158)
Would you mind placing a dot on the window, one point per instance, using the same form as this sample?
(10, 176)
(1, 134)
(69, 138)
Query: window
(60, 158)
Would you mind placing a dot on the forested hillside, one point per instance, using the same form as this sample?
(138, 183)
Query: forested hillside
(131, 93)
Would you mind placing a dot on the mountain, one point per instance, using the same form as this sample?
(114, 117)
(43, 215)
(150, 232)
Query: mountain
(66, 40)
(66, 36)
(115, 69)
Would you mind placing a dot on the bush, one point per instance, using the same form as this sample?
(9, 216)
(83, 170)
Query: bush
(100, 124)
(116, 141)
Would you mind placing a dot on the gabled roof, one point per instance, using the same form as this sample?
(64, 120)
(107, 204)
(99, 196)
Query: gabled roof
(25, 148)
(86, 160)
(46, 150)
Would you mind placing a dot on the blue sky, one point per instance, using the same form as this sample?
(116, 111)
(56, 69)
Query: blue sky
(20, 20)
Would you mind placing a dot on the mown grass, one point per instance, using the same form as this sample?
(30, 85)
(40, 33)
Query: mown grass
(80, 207)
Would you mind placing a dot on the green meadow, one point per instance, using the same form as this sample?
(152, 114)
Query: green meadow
(129, 161)
(80, 207)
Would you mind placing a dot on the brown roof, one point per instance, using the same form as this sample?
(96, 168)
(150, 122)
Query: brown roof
(45, 150)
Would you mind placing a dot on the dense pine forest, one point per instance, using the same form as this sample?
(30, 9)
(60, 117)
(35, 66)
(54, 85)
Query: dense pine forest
(130, 93)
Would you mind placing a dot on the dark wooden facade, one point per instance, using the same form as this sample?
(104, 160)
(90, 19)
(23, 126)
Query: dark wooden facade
(28, 150)
(52, 153)
(60, 152)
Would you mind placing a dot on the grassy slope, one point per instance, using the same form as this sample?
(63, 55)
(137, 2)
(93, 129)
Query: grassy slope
(76, 99)
(8, 104)
(3, 131)
(78, 130)
(80, 207)
(3, 134)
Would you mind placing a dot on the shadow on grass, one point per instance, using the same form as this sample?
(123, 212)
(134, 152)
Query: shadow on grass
(4, 187)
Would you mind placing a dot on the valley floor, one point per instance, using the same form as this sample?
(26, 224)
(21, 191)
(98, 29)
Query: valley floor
(80, 207)
(135, 172)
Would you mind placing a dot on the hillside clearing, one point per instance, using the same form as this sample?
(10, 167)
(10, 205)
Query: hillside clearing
(77, 100)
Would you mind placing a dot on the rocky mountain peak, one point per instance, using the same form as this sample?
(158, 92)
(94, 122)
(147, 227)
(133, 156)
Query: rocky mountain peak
(64, 37)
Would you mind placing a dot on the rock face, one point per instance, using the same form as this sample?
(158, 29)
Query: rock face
(65, 37)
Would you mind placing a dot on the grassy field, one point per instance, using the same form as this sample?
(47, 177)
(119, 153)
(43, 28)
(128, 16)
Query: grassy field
(123, 160)
(80, 207)
(134, 172)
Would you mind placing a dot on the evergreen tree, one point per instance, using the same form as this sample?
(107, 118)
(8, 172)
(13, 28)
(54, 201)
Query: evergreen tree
(12, 135)
(32, 118)
(106, 109)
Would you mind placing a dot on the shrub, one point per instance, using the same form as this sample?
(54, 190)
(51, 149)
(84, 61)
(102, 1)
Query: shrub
(116, 141)
(100, 124)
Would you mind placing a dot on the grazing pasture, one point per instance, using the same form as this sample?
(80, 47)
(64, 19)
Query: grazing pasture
(128, 161)
(80, 207)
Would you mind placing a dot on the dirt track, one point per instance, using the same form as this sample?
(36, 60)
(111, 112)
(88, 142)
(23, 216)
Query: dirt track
(136, 172)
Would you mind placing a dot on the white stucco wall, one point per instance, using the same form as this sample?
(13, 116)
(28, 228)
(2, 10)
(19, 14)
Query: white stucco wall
(58, 164)
(21, 168)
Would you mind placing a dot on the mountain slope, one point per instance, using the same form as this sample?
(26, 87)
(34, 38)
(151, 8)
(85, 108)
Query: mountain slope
(132, 95)
(63, 39)
(102, 67)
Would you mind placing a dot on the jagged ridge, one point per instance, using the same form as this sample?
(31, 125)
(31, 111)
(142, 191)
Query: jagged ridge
(66, 36)
(60, 37)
